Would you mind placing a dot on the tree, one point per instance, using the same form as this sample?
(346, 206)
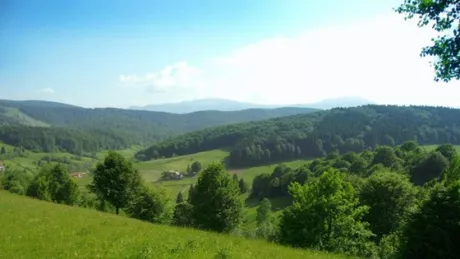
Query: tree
(430, 168)
(444, 16)
(325, 214)
(39, 188)
(152, 205)
(235, 178)
(358, 167)
(190, 191)
(243, 186)
(53, 183)
(61, 187)
(216, 200)
(384, 155)
(196, 167)
(3, 151)
(448, 151)
(390, 197)
(183, 215)
(16, 181)
(433, 232)
(115, 180)
(265, 226)
(180, 198)
(264, 211)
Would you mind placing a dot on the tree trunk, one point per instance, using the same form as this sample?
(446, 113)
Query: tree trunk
(117, 209)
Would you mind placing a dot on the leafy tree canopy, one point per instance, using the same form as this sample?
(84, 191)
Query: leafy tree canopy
(115, 180)
(216, 200)
(443, 15)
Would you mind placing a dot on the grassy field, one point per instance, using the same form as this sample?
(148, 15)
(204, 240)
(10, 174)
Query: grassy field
(39, 229)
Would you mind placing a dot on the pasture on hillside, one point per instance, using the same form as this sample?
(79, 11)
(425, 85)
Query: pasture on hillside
(40, 229)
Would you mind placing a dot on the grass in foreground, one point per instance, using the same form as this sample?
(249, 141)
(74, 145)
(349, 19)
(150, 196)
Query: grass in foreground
(39, 229)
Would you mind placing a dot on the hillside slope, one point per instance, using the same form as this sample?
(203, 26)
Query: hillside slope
(39, 229)
(316, 134)
(76, 129)
(13, 116)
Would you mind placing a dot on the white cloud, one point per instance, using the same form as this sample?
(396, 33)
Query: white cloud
(173, 77)
(377, 59)
(47, 90)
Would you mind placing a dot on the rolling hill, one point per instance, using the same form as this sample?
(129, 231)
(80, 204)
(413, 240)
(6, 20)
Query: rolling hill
(39, 229)
(219, 104)
(317, 134)
(50, 126)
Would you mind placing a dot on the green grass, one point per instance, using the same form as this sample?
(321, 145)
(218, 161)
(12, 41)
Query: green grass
(151, 170)
(39, 229)
(127, 152)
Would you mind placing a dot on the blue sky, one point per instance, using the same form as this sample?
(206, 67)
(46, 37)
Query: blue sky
(124, 53)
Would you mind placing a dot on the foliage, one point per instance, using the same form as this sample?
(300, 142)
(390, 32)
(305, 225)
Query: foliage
(183, 215)
(452, 173)
(216, 200)
(196, 167)
(53, 183)
(179, 198)
(430, 168)
(16, 181)
(243, 186)
(115, 180)
(444, 16)
(149, 204)
(448, 151)
(276, 184)
(390, 197)
(434, 231)
(316, 134)
(265, 221)
(326, 215)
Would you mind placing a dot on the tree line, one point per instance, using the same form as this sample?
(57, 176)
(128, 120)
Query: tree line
(317, 134)
(412, 160)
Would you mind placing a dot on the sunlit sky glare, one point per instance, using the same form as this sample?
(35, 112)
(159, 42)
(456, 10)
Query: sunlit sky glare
(132, 53)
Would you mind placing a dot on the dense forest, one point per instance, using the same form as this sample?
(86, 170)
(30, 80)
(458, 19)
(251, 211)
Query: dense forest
(49, 126)
(317, 134)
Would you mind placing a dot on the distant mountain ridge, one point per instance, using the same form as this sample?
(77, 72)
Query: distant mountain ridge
(219, 104)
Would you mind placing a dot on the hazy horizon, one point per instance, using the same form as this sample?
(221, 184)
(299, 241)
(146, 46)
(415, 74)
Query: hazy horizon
(123, 54)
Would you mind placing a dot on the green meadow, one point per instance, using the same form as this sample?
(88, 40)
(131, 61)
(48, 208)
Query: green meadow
(39, 229)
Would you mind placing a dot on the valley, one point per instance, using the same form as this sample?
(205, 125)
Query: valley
(265, 158)
(230, 129)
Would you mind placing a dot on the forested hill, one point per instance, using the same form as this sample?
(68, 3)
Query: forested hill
(49, 126)
(316, 134)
